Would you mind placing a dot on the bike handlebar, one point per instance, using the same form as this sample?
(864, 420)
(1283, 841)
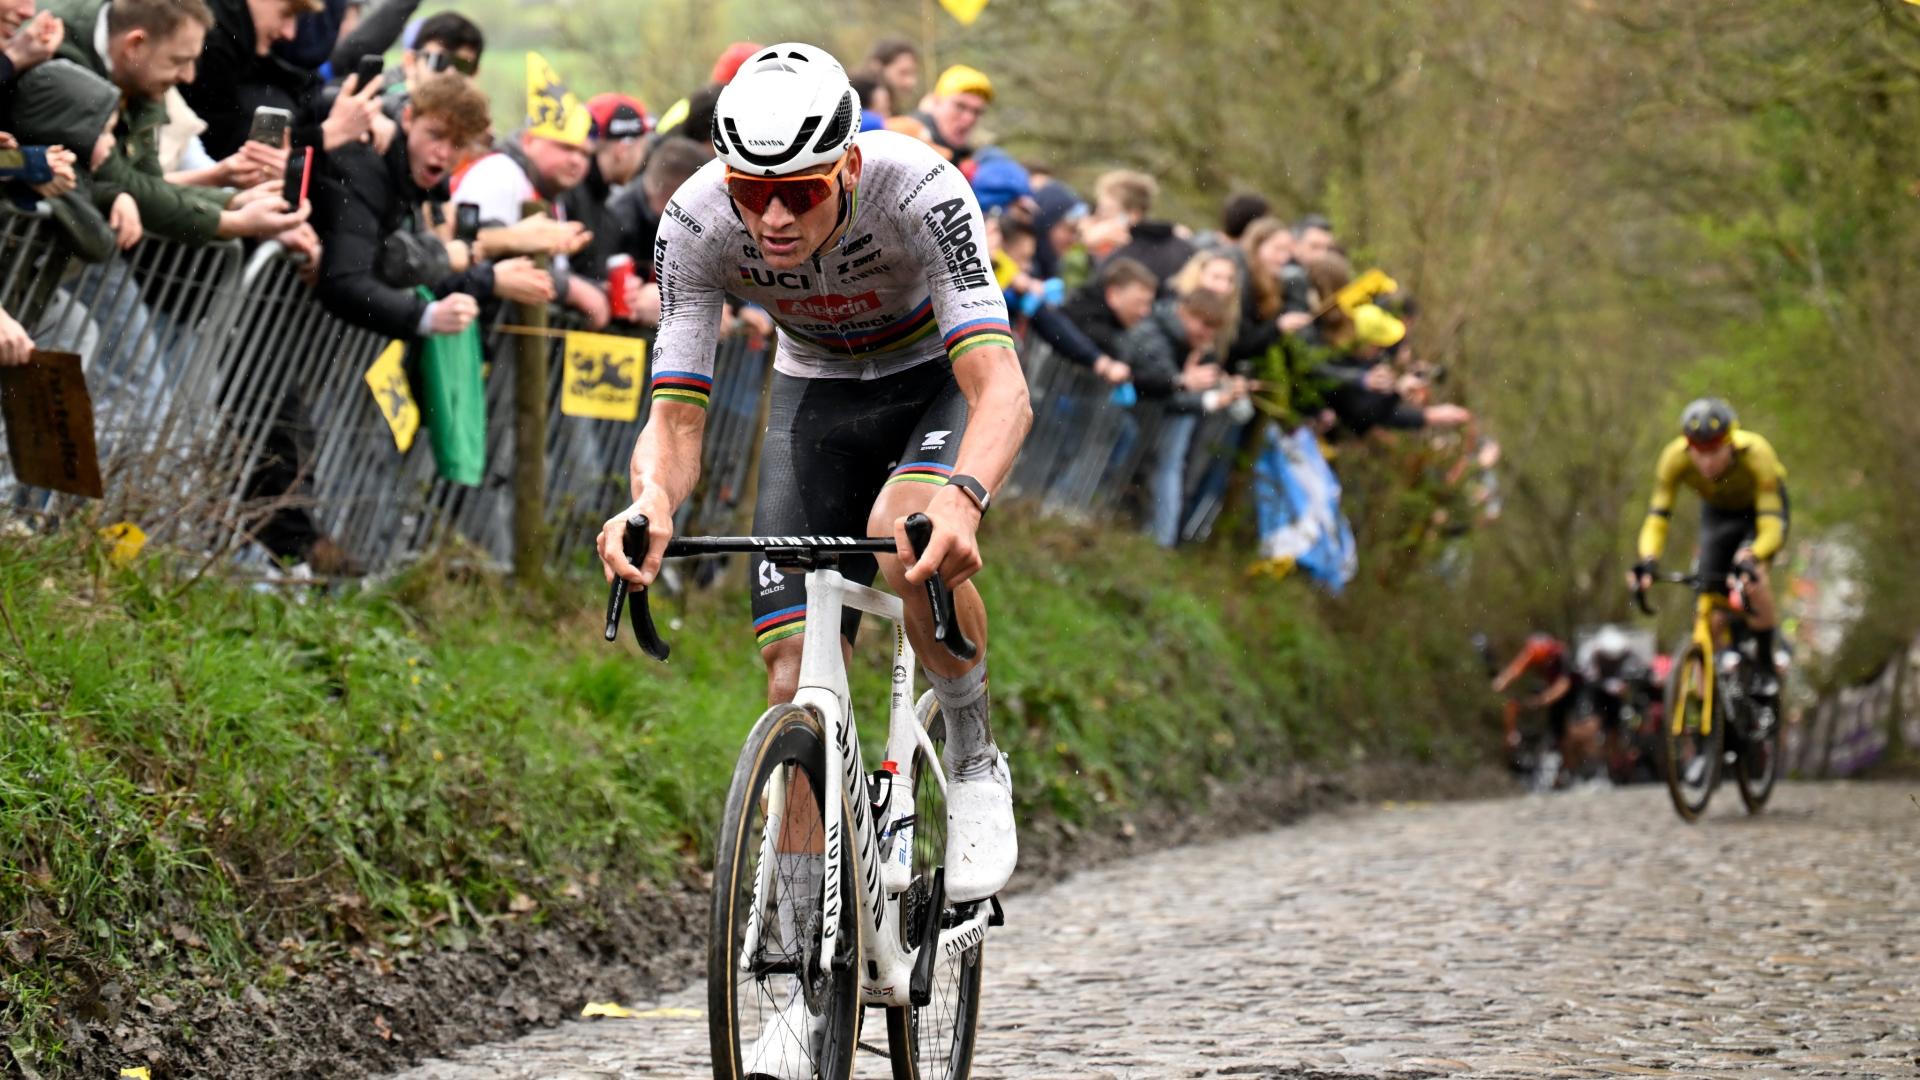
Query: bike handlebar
(777, 549)
(1670, 577)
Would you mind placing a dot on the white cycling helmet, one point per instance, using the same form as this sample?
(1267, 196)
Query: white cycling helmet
(788, 108)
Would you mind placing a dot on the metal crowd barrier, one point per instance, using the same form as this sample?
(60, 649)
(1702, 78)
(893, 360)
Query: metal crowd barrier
(208, 370)
(150, 331)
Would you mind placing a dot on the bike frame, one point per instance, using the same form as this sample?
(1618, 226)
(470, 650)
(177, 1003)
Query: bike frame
(882, 858)
(1704, 640)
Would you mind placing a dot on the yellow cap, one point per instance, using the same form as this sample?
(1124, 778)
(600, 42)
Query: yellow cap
(1374, 326)
(553, 112)
(961, 79)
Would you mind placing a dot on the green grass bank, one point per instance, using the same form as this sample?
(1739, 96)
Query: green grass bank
(204, 786)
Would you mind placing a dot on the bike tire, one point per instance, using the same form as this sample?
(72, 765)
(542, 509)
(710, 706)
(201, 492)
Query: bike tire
(1757, 768)
(1690, 760)
(935, 1041)
(787, 740)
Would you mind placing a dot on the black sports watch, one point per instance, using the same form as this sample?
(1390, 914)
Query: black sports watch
(975, 490)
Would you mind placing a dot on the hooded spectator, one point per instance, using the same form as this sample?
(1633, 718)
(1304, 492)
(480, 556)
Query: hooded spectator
(61, 103)
(897, 63)
(959, 100)
(549, 158)
(1128, 196)
(999, 181)
(150, 47)
(1056, 219)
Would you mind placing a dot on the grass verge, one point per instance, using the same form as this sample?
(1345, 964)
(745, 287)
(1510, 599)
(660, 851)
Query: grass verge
(205, 787)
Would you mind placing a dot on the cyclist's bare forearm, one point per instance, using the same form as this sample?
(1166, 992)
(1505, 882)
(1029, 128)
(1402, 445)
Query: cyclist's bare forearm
(666, 459)
(998, 413)
(663, 470)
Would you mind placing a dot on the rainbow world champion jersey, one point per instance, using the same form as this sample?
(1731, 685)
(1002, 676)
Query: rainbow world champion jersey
(909, 280)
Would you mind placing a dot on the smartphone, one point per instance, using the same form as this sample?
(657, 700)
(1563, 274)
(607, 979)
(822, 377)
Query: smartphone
(466, 221)
(270, 126)
(27, 164)
(369, 70)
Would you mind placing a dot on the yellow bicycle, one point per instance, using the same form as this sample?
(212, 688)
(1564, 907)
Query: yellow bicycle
(1714, 715)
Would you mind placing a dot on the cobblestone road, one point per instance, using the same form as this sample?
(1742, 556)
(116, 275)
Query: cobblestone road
(1582, 935)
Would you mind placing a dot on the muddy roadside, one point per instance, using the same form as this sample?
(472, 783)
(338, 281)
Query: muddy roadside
(366, 1015)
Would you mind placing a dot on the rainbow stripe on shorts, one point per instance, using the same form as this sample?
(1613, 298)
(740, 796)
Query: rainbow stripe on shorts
(784, 623)
(686, 387)
(920, 472)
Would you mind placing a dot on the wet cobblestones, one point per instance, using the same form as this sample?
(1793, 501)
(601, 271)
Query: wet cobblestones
(1584, 935)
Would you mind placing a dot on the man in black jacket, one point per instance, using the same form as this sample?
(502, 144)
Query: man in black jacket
(379, 248)
(1115, 301)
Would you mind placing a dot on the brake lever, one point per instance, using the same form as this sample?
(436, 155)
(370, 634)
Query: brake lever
(946, 625)
(635, 544)
(1640, 598)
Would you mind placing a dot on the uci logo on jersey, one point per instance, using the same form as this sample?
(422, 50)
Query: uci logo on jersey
(771, 279)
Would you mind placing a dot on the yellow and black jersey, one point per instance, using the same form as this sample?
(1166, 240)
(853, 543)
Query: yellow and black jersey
(1752, 484)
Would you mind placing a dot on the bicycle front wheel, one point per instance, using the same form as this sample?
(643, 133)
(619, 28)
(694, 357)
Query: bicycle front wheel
(1692, 743)
(774, 1008)
(934, 1041)
(1758, 766)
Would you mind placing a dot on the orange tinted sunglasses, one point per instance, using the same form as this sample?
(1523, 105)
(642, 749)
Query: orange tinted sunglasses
(798, 194)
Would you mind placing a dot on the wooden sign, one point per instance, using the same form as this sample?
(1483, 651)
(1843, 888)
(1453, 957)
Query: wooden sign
(49, 418)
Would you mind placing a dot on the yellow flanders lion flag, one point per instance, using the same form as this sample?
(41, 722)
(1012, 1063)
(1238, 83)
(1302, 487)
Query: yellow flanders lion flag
(604, 375)
(387, 378)
(553, 112)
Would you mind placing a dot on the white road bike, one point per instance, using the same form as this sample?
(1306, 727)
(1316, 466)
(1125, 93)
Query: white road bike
(791, 975)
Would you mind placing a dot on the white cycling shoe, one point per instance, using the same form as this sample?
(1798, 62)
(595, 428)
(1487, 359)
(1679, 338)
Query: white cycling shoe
(788, 1045)
(981, 846)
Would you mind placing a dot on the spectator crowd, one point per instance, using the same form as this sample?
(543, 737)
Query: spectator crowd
(1251, 344)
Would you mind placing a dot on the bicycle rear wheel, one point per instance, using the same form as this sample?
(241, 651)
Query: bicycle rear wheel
(934, 1041)
(782, 1013)
(1758, 765)
(1690, 756)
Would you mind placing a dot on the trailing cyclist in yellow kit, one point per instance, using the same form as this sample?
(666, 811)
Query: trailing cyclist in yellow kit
(1744, 514)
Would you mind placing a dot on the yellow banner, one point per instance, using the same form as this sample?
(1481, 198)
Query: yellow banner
(553, 112)
(1365, 288)
(387, 378)
(604, 375)
(968, 10)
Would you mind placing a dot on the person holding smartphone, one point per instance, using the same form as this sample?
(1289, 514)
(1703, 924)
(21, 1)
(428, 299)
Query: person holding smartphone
(387, 231)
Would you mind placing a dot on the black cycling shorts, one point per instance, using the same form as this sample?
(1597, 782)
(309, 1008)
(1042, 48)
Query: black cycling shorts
(831, 445)
(1723, 533)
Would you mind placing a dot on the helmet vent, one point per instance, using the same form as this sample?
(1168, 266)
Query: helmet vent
(839, 127)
